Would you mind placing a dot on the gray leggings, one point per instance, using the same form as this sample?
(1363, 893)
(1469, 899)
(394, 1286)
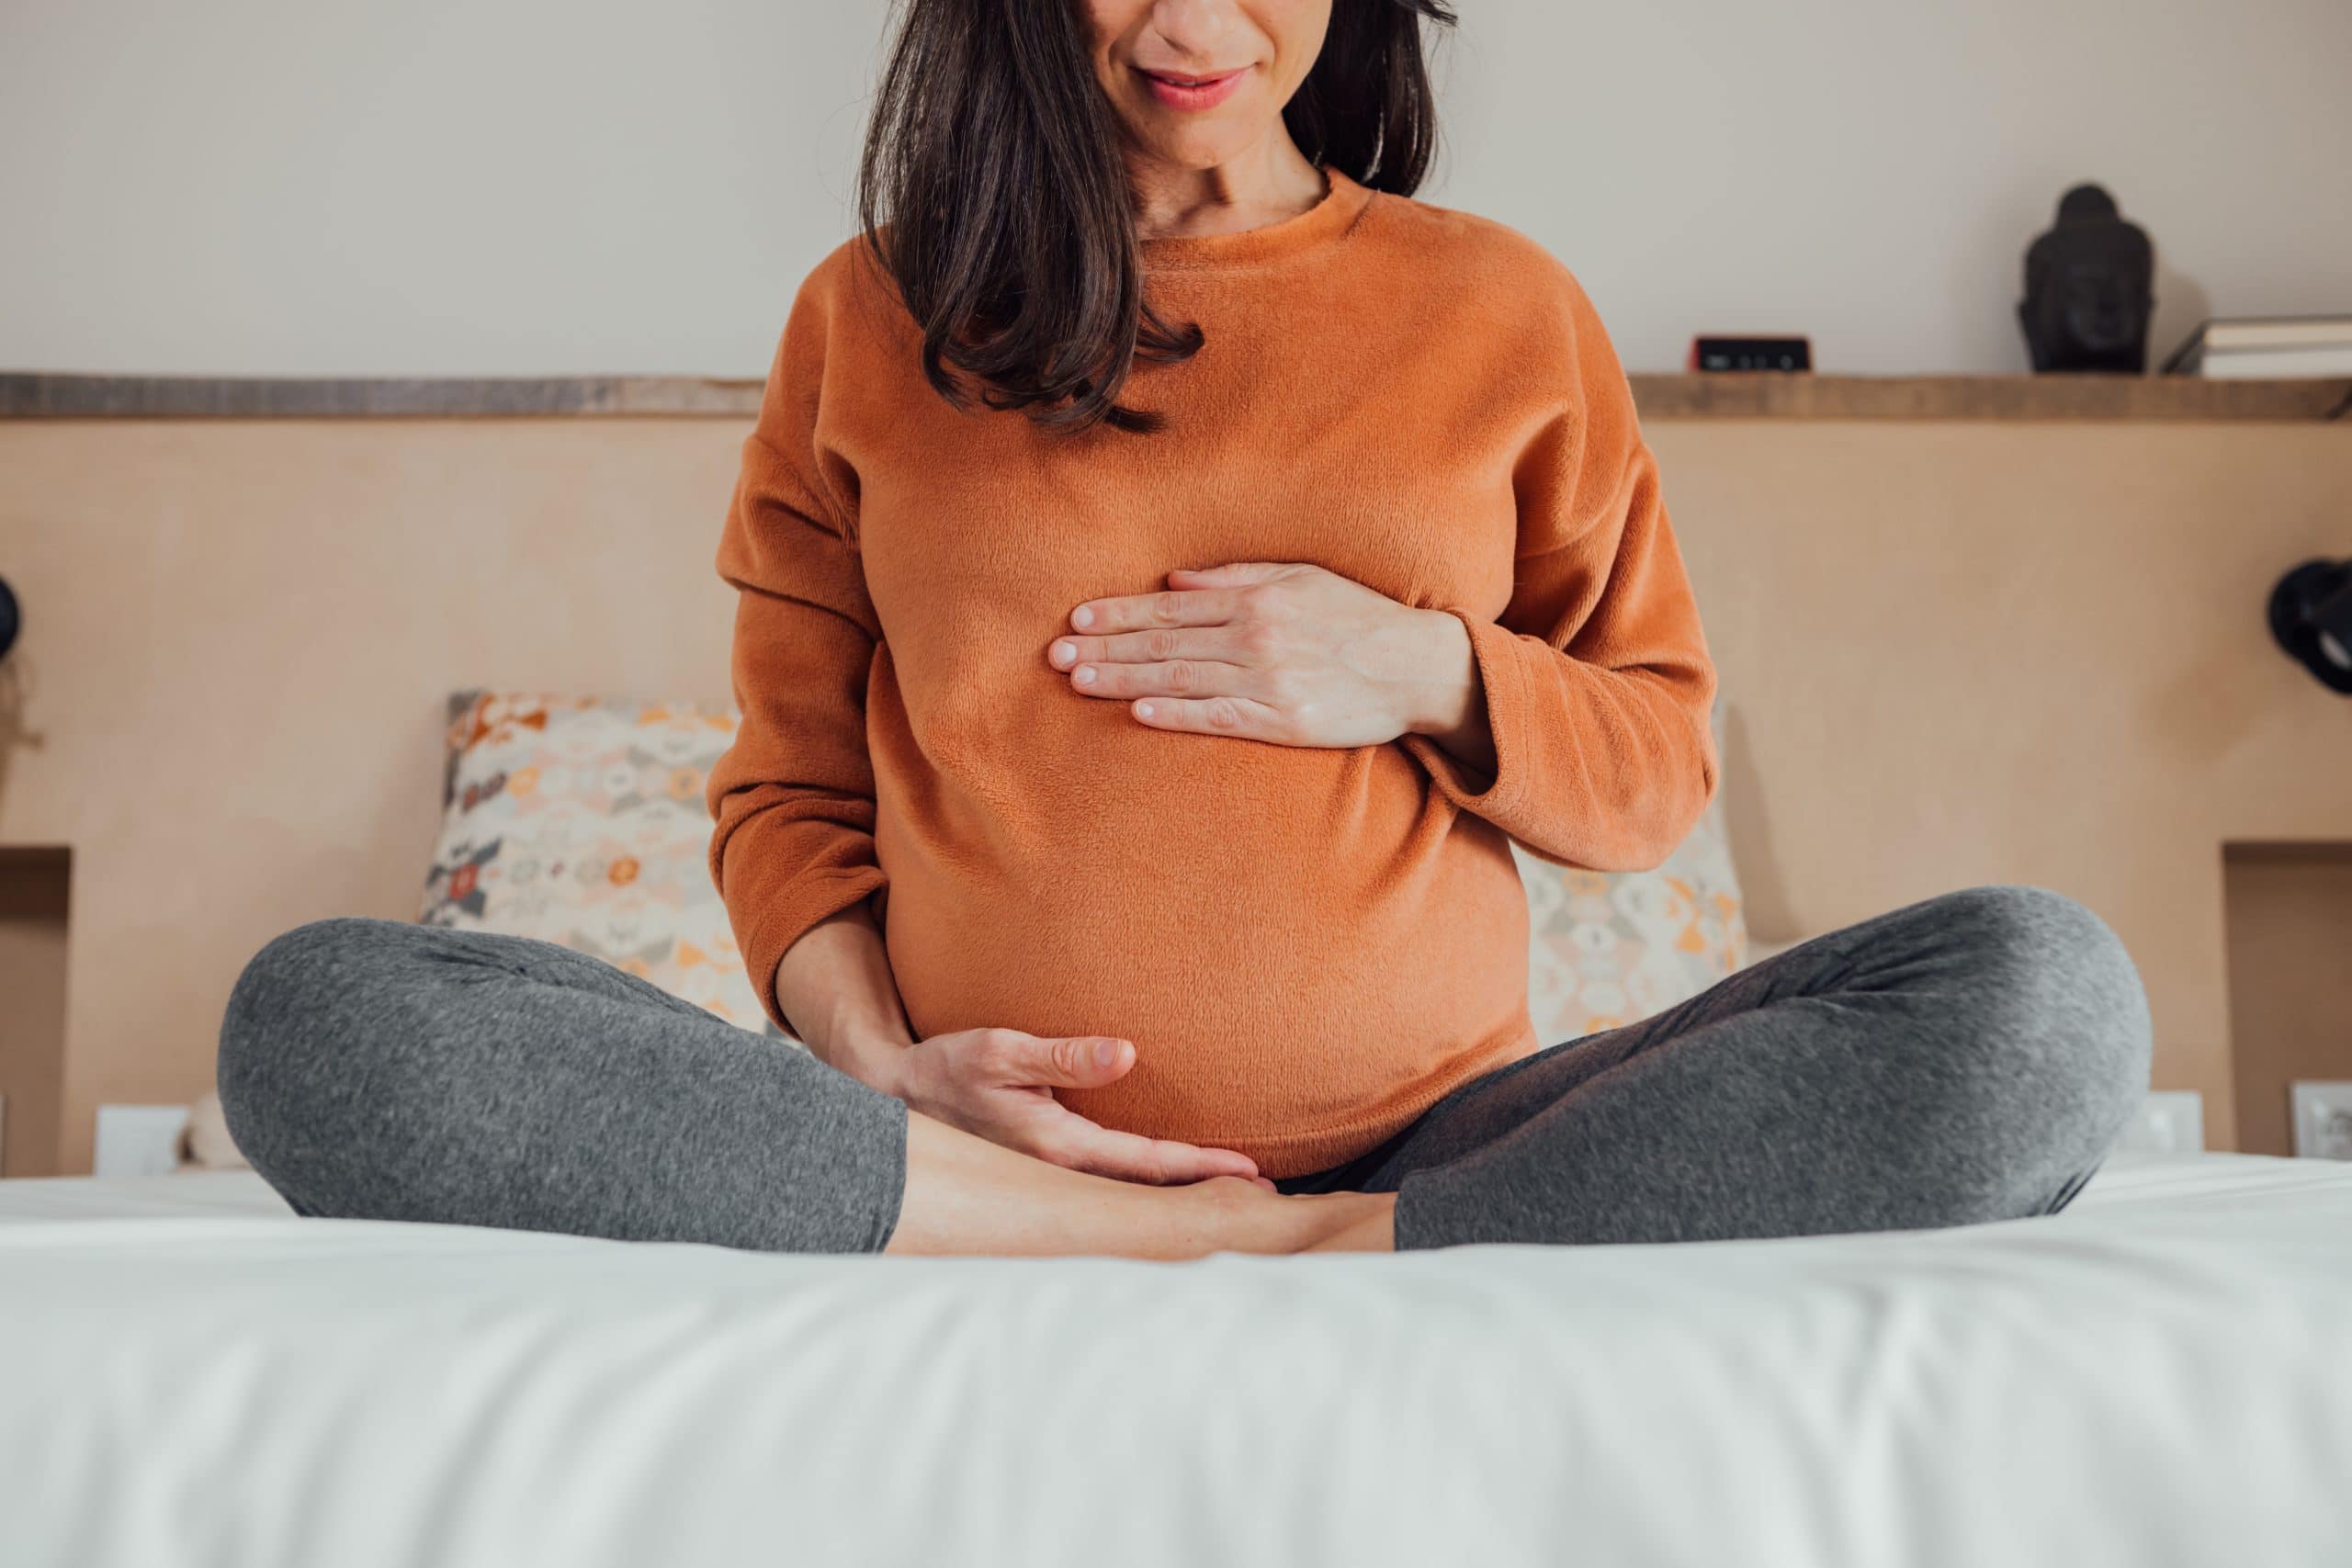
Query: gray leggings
(1967, 1057)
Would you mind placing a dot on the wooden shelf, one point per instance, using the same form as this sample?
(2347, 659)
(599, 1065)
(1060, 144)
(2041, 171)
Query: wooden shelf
(44, 396)
(1764, 395)
(1733, 395)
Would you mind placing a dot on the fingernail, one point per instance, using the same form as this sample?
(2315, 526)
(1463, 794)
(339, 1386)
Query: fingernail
(1064, 653)
(1083, 675)
(1105, 1053)
(1081, 618)
(1143, 710)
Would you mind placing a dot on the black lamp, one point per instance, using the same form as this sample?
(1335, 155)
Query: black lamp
(2311, 615)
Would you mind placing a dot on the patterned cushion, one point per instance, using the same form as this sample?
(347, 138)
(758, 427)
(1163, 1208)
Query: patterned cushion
(1608, 948)
(582, 822)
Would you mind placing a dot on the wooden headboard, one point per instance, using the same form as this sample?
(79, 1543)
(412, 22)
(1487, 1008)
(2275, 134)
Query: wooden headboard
(1974, 629)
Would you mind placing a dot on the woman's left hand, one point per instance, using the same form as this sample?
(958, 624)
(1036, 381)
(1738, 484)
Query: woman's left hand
(1282, 652)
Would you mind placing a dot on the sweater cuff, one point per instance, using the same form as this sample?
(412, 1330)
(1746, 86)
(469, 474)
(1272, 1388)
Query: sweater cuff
(1503, 675)
(771, 908)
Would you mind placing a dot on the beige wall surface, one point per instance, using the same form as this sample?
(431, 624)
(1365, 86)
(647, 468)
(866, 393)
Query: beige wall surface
(238, 640)
(534, 186)
(2019, 653)
(1958, 653)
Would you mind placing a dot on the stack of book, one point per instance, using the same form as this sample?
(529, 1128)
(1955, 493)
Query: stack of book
(2263, 347)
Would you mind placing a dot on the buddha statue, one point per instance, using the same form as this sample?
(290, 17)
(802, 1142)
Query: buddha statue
(2089, 289)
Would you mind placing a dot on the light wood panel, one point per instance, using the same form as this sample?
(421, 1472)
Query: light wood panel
(1960, 651)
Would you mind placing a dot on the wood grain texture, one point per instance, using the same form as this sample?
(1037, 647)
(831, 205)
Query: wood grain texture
(1733, 395)
(43, 396)
(1772, 396)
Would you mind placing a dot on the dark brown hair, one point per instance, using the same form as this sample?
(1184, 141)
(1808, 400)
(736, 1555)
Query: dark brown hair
(993, 156)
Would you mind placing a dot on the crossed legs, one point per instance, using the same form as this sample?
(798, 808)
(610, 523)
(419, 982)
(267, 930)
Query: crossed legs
(1966, 1057)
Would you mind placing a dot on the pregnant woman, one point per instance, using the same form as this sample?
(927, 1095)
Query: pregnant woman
(1175, 564)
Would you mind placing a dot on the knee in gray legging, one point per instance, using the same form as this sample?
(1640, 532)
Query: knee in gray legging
(2054, 1057)
(375, 1069)
(287, 1071)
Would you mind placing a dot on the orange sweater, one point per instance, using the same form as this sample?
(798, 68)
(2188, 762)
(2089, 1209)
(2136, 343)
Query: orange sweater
(1307, 946)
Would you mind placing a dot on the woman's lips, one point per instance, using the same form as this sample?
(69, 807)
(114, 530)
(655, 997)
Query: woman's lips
(1184, 90)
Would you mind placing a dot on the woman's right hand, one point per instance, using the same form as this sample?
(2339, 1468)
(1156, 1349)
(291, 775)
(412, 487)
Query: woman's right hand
(998, 1084)
(835, 984)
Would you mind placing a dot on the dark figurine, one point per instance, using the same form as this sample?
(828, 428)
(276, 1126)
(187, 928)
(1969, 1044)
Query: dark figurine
(2089, 289)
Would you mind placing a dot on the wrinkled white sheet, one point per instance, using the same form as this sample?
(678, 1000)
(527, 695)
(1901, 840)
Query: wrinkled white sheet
(2163, 1375)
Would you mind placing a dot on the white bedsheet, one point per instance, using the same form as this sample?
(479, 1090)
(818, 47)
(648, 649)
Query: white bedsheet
(2163, 1375)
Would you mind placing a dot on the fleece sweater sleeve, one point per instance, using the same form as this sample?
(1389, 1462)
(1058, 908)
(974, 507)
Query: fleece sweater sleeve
(792, 799)
(1597, 677)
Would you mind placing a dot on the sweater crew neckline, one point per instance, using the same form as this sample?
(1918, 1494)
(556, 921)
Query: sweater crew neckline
(1343, 200)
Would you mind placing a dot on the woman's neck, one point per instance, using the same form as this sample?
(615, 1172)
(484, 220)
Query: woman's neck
(1270, 182)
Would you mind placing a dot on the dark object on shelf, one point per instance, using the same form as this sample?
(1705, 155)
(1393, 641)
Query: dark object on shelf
(11, 618)
(1751, 354)
(2311, 615)
(2089, 289)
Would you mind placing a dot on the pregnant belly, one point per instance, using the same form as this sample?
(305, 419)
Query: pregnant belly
(1307, 947)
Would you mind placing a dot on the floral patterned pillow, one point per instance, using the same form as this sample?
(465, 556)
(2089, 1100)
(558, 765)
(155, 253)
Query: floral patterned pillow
(1606, 949)
(583, 822)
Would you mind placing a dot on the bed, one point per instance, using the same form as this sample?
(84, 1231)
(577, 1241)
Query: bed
(2161, 1375)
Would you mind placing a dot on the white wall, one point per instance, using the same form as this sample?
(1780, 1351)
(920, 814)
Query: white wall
(521, 186)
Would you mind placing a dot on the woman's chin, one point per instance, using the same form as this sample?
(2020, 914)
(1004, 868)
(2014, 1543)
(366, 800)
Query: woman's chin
(1182, 139)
